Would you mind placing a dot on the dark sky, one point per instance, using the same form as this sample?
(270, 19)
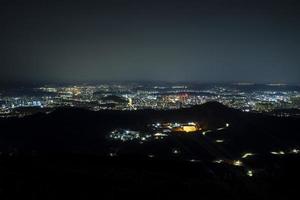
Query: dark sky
(176, 40)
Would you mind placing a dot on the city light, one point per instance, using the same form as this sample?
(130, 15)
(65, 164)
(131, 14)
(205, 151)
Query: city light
(128, 135)
(237, 163)
(250, 173)
(130, 97)
(219, 161)
(176, 151)
(247, 155)
(295, 151)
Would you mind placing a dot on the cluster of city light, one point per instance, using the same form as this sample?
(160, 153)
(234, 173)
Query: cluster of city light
(159, 136)
(189, 127)
(247, 155)
(235, 163)
(281, 152)
(129, 135)
(156, 131)
(158, 97)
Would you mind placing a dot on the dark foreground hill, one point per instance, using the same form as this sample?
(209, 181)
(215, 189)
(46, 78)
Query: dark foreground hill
(66, 154)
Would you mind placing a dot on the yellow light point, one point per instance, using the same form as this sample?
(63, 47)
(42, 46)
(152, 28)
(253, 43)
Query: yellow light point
(175, 151)
(237, 163)
(277, 152)
(189, 128)
(130, 104)
(160, 134)
(250, 173)
(194, 160)
(247, 155)
(218, 161)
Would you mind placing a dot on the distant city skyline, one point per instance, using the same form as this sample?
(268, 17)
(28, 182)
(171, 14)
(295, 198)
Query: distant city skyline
(139, 96)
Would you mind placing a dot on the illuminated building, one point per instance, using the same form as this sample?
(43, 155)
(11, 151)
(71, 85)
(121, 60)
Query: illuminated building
(189, 127)
(277, 152)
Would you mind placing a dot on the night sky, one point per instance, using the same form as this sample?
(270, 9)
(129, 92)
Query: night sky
(176, 40)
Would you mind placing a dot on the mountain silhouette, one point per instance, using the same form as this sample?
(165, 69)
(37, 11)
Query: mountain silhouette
(57, 152)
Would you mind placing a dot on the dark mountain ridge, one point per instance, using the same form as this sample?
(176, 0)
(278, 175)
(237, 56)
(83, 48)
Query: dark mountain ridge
(66, 154)
(83, 128)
